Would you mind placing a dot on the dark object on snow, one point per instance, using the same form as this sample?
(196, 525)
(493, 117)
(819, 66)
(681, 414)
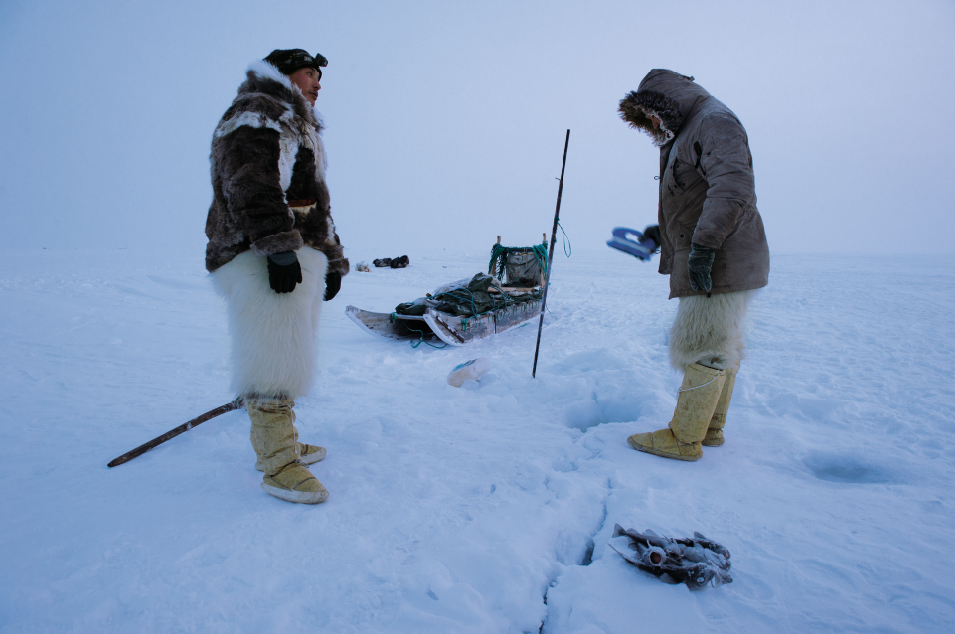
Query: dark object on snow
(395, 263)
(284, 271)
(700, 263)
(639, 245)
(172, 433)
(695, 562)
(333, 284)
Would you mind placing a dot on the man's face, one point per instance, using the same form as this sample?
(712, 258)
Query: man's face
(307, 81)
(656, 121)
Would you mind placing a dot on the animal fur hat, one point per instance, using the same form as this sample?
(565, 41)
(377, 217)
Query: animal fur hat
(290, 60)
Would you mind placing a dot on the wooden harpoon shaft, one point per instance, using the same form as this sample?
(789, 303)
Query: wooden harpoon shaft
(172, 433)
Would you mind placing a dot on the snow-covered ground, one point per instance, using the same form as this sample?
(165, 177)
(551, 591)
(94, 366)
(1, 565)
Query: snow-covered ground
(486, 508)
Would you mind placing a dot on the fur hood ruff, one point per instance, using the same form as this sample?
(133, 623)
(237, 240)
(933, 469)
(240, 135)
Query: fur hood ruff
(667, 95)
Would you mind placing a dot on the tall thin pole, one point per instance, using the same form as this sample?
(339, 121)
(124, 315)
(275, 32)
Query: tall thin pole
(550, 257)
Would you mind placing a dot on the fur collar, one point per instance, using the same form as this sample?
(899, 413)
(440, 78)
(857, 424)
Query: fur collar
(637, 107)
(263, 77)
(670, 96)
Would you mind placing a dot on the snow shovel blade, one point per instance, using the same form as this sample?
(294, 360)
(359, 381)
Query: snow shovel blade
(623, 240)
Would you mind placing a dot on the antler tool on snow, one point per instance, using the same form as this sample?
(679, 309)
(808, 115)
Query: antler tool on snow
(550, 257)
(172, 433)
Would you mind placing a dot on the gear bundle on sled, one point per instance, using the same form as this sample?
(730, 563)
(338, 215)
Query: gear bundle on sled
(696, 562)
(509, 294)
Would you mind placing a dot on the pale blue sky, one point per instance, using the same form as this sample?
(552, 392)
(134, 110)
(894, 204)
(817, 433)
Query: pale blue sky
(446, 120)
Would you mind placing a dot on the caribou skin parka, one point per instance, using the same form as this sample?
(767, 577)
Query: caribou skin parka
(268, 175)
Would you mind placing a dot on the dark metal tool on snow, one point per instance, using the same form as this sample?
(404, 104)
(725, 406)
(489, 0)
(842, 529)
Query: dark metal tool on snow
(172, 433)
(550, 257)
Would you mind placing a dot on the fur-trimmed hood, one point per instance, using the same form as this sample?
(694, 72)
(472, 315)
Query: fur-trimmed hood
(667, 95)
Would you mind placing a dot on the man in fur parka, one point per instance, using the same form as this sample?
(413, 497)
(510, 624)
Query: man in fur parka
(713, 247)
(274, 255)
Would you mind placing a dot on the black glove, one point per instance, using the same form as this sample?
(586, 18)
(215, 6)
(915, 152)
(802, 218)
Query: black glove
(700, 264)
(333, 284)
(284, 271)
(653, 232)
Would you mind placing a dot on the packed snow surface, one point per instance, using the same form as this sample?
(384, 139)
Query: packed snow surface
(485, 508)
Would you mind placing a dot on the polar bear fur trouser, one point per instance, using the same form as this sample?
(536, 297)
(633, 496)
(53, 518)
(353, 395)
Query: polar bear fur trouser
(273, 334)
(709, 330)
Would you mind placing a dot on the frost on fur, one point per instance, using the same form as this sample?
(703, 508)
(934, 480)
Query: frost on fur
(709, 330)
(637, 107)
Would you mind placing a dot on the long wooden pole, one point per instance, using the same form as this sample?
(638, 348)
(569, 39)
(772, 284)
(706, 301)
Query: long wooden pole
(172, 433)
(550, 257)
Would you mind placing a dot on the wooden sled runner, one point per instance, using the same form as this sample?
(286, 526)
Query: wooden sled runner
(452, 330)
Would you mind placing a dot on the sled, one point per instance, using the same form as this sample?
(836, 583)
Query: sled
(451, 329)
(493, 305)
(623, 240)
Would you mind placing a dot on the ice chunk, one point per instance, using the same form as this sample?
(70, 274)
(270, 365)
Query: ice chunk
(473, 369)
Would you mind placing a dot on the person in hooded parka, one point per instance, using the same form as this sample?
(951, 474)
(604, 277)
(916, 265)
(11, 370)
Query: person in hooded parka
(712, 245)
(275, 256)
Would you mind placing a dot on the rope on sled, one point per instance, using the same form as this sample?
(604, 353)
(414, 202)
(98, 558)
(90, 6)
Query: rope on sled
(415, 344)
(464, 320)
(421, 339)
(499, 257)
(470, 300)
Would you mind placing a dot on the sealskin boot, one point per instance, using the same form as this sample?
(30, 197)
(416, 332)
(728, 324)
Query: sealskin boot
(681, 440)
(295, 483)
(274, 439)
(307, 454)
(714, 435)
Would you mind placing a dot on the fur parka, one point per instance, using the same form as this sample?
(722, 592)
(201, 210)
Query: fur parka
(268, 175)
(707, 192)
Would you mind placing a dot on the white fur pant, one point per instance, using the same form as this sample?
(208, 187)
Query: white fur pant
(273, 334)
(709, 330)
